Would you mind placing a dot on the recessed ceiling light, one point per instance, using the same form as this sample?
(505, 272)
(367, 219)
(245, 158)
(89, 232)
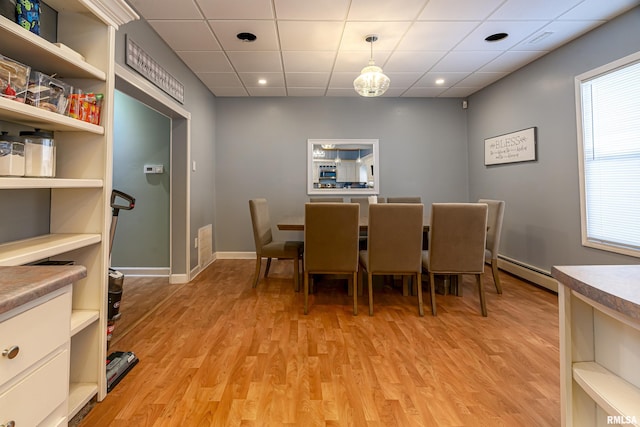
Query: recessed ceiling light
(246, 37)
(262, 81)
(496, 37)
(439, 81)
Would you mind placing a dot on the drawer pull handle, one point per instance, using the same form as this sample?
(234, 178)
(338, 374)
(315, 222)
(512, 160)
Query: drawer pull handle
(11, 353)
(9, 424)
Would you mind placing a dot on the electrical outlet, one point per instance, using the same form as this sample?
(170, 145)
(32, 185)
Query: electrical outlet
(195, 242)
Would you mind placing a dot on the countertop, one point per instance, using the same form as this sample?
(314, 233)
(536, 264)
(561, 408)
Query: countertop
(614, 286)
(22, 284)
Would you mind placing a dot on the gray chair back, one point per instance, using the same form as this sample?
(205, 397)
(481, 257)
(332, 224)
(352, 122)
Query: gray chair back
(494, 222)
(417, 199)
(261, 221)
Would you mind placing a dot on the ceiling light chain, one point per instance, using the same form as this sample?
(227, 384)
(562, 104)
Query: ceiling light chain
(371, 81)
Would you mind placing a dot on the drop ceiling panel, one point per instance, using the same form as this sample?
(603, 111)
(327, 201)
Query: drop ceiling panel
(317, 48)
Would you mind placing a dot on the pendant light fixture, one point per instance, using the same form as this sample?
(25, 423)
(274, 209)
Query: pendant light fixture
(372, 81)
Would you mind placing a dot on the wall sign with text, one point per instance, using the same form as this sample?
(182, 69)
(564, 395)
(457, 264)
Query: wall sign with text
(519, 146)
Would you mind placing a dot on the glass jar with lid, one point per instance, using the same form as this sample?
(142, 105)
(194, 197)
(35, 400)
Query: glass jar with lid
(39, 153)
(11, 155)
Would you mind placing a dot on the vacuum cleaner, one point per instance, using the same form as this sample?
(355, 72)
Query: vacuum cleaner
(119, 363)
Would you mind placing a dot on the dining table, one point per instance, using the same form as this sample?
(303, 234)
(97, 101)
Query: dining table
(296, 223)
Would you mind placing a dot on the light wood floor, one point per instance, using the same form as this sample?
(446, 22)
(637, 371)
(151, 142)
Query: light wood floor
(219, 353)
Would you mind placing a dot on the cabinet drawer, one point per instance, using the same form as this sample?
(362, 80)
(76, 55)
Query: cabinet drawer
(37, 332)
(36, 396)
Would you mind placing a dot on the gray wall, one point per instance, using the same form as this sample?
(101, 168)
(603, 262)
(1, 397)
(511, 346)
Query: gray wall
(261, 151)
(141, 137)
(202, 106)
(542, 215)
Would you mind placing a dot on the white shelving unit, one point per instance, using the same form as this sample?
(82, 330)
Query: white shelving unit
(599, 345)
(79, 208)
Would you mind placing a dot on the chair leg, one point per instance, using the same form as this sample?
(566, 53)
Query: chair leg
(354, 284)
(496, 276)
(483, 303)
(418, 281)
(306, 292)
(432, 285)
(256, 275)
(266, 270)
(296, 274)
(370, 283)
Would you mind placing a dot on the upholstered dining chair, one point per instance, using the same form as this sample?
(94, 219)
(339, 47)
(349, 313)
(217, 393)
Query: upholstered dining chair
(326, 199)
(494, 231)
(416, 199)
(457, 239)
(331, 244)
(394, 245)
(268, 248)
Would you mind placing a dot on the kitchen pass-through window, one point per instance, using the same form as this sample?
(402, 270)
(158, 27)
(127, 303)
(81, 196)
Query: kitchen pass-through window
(608, 101)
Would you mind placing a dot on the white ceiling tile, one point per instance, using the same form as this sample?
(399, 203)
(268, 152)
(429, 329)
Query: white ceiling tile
(304, 35)
(423, 92)
(267, 91)
(385, 10)
(461, 61)
(412, 61)
(517, 31)
(273, 79)
(236, 9)
(403, 80)
(510, 61)
(308, 61)
(230, 91)
(479, 79)
(354, 62)
(186, 35)
(307, 79)
(166, 9)
(249, 62)
(533, 10)
(205, 62)
(458, 92)
(389, 35)
(595, 10)
(436, 35)
(342, 80)
(305, 91)
(220, 79)
(450, 79)
(342, 92)
(327, 10)
(556, 34)
(227, 31)
(459, 10)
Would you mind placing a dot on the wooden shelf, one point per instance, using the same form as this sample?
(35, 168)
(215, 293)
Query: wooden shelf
(27, 182)
(23, 46)
(612, 393)
(79, 395)
(38, 118)
(80, 319)
(36, 248)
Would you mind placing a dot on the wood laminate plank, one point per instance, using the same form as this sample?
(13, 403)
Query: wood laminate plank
(219, 352)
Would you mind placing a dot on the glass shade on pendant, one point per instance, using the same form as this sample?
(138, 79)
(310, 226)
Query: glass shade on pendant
(371, 81)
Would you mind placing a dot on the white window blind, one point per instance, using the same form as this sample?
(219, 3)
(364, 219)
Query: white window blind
(611, 159)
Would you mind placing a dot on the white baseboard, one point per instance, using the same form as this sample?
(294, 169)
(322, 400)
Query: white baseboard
(235, 255)
(144, 271)
(528, 272)
(177, 279)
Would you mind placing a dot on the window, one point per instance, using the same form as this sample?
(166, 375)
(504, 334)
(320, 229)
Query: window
(608, 101)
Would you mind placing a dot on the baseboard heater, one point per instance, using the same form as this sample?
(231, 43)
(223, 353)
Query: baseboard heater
(528, 272)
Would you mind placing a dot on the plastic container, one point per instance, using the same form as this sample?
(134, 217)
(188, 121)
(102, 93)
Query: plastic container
(11, 155)
(39, 153)
(14, 77)
(48, 93)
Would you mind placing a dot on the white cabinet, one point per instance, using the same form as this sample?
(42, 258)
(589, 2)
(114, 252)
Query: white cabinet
(599, 345)
(346, 171)
(79, 211)
(34, 366)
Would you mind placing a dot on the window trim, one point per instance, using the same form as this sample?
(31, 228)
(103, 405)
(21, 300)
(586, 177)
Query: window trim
(582, 78)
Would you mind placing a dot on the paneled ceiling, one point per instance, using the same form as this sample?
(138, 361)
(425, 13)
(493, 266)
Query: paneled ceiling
(428, 48)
